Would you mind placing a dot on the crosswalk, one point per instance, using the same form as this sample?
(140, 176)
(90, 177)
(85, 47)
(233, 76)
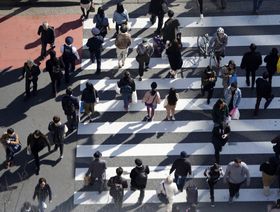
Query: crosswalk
(121, 136)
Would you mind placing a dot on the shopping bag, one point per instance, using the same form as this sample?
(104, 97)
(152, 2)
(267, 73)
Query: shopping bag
(134, 97)
(278, 66)
(87, 180)
(235, 115)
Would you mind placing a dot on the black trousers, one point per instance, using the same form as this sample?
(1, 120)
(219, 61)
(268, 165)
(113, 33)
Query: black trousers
(234, 188)
(209, 90)
(259, 99)
(160, 21)
(69, 67)
(60, 146)
(27, 86)
(253, 76)
(55, 84)
(72, 121)
(211, 184)
(36, 159)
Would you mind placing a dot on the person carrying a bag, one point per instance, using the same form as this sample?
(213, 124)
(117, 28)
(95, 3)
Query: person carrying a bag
(144, 52)
(151, 99)
(127, 87)
(12, 145)
(101, 21)
(166, 192)
(232, 96)
(117, 185)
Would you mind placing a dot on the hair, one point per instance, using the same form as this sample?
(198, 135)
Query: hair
(237, 160)
(37, 133)
(253, 47)
(56, 119)
(69, 91)
(120, 8)
(172, 97)
(170, 13)
(100, 11)
(219, 102)
(10, 131)
(119, 171)
(168, 179)
(89, 86)
(41, 180)
(153, 86)
(123, 28)
(231, 62)
(233, 84)
(45, 24)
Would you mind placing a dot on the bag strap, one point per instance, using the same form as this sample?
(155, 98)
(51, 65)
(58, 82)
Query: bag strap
(154, 97)
(164, 187)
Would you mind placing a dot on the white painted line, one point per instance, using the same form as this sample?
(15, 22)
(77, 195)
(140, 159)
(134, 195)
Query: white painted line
(165, 149)
(182, 104)
(157, 63)
(134, 127)
(221, 195)
(166, 83)
(259, 40)
(161, 172)
(209, 21)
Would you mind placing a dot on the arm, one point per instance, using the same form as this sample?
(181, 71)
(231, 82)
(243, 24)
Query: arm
(39, 30)
(226, 174)
(189, 168)
(47, 142)
(89, 171)
(173, 167)
(247, 173)
(16, 141)
(35, 192)
(75, 52)
(50, 192)
(124, 183)
(239, 95)
(147, 170)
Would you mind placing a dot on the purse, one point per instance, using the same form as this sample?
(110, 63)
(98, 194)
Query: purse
(162, 197)
(134, 97)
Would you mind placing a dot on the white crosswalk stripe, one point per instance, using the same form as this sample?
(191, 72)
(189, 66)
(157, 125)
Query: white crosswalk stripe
(131, 125)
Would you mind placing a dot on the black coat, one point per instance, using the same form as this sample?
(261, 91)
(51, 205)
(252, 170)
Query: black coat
(34, 72)
(134, 174)
(174, 57)
(37, 144)
(49, 68)
(251, 61)
(124, 81)
(57, 132)
(94, 44)
(155, 7)
(271, 63)
(89, 96)
(70, 104)
(47, 36)
(263, 87)
(182, 167)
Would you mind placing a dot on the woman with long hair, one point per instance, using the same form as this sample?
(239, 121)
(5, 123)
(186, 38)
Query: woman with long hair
(120, 17)
(101, 21)
(170, 104)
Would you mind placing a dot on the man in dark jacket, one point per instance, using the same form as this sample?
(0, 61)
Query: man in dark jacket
(57, 130)
(139, 176)
(263, 91)
(171, 28)
(251, 61)
(117, 185)
(70, 105)
(95, 47)
(271, 63)
(37, 141)
(220, 113)
(157, 9)
(182, 168)
(47, 37)
(97, 171)
(31, 72)
(208, 82)
(90, 98)
(42, 191)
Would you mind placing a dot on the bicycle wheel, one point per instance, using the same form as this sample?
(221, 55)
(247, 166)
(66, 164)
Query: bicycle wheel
(202, 45)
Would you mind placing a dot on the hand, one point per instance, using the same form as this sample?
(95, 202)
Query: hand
(8, 141)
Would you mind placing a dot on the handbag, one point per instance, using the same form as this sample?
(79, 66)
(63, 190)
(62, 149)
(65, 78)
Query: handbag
(235, 115)
(162, 197)
(44, 205)
(87, 180)
(28, 150)
(134, 97)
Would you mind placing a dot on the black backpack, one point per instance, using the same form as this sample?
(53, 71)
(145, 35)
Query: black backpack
(117, 189)
(141, 177)
(68, 53)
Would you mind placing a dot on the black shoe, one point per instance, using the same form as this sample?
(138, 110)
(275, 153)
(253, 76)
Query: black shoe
(55, 149)
(248, 83)
(208, 101)
(97, 72)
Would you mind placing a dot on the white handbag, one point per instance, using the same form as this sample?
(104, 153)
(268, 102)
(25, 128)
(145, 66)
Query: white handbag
(134, 97)
(44, 205)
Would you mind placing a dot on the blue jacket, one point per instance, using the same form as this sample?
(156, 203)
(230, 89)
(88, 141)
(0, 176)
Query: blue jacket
(236, 97)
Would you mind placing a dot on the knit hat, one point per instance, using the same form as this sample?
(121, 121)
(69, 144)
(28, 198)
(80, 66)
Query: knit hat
(183, 154)
(97, 154)
(138, 162)
(69, 40)
(95, 31)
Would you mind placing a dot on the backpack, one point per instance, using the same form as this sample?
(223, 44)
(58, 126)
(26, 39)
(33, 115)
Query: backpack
(68, 53)
(116, 190)
(141, 177)
(126, 89)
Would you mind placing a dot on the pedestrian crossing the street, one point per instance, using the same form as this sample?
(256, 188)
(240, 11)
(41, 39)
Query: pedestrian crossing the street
(122, 136)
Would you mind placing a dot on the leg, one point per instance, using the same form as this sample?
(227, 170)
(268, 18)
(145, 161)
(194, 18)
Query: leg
(259, 98)
(172, 112)
(92, 57)
(259, 4)
(53, 82)
(84, 12)
(160, 23)
(125, 101)
(270, 78)
(141, 69)
(210, 94)
(231, 187)
(67, 70)
(255, 3)
(153, 18)
(247, 77)
(168, 112)
(98, 61)
(141, 197)
(152, 114)
(217, 155)
(37, 162)
(43, 50)
(61, 146)
(253, 72)
(27, 87)
(117, 28)
(124, 55)
(119, 56)
(35, 86)
(211, 188)
(200, 2)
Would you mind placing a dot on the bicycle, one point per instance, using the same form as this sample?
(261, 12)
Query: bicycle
(203, 45)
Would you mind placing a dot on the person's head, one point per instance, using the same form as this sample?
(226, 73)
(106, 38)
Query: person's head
(95, 31)
(154, 85)
(89, 85)
(183, 154)
(97, 155)
(233, 86)
(119, 171)
(220, 103)
(220, 32)
(69, 91)
(56, 119)
(253, 47)
(126, 74)
(123, 28)
(120, 7)
(237, 162)
(172, 92)
(274, 51)
(45, 25)
(170, 13)
(37, 134)
(138, 162)
(100, 11)
(232, 65)
(69, 40)
(265, 75)
(10, 131)
(30, 63)
(42, 182)
(208, 70)
(215, 167)
(168, 180)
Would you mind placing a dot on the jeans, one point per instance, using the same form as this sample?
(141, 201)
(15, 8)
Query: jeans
(72, 121)
(257, 4)
(126, 100)
(96, 55)
(234, 188)
(160, 21)
(180, 181)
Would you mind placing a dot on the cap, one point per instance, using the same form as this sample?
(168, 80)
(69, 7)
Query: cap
(183, 154)
(97, 154)
(138, 162)
(95, 31)
(69, 40)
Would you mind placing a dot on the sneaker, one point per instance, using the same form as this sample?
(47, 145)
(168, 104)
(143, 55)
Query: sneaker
(230, 200)
(173, 118)
(168, 118)
(140, 78)
(147, 118)
(61, 156)
(212, 204)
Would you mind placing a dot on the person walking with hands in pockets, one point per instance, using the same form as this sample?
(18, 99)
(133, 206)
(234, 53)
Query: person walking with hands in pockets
(151, 99)
(170, 102)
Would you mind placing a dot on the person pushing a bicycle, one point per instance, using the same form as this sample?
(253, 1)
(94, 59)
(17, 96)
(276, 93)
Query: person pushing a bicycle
(218, 43)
